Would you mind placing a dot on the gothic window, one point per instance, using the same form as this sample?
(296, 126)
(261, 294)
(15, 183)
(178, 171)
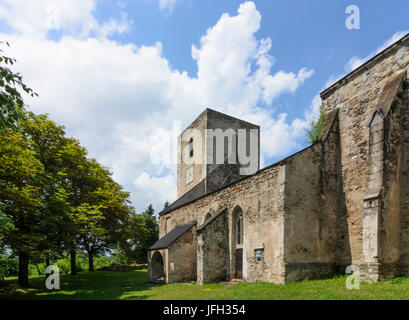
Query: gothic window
(239, 230)
(238, 217)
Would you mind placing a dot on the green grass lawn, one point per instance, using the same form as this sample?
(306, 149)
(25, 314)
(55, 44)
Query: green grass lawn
(133, 285)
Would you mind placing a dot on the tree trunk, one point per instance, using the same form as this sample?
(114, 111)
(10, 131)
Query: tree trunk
(73, 254)
(23, 269)
(91, 261)
(38, 269)
(47, 263)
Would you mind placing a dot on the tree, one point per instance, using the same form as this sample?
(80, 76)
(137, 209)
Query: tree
(11, 101)
(47, 139)
(20, 198)
(316, 131)
(143, 231)
(103, 215)
(75, 182)
(166, 205)
(149, 210)
(53, 199)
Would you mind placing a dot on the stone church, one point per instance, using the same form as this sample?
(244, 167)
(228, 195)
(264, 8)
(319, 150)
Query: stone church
(342, 201)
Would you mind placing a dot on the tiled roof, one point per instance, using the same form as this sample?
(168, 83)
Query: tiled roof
(195, 193)
(172, 236)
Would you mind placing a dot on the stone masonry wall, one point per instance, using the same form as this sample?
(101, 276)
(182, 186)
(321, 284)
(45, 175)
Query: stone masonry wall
(356, 98)
(219, 175)
(390, 214)
(213, 250)
(404, 182)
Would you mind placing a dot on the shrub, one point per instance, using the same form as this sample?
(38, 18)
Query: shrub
(8, 267)
(316, 132)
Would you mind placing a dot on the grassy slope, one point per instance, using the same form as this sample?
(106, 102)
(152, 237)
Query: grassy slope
(133, 285)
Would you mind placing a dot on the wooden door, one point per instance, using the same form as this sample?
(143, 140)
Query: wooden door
(239, 264)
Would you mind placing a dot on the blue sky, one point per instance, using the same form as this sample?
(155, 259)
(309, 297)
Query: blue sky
(304, 33)
(118, 73)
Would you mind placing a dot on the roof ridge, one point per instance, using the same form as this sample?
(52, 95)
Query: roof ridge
(363, 66)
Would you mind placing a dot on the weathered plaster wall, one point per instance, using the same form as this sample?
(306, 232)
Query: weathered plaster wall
(356, 98)
(180, 264)
(199, 167)
(181, 261)
(213, 250)
(310, 238)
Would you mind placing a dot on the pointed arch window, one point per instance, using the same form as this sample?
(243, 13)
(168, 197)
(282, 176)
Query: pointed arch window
(239, 228)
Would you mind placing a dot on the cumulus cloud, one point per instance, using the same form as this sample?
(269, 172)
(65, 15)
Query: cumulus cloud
(167, 4)
(76, 17)
(114, 96)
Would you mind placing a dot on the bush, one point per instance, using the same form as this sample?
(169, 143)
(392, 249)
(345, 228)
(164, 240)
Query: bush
(8, 267)
(316, 132)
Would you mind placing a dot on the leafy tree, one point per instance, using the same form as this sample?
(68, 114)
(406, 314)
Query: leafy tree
(11, 101)
(75, 181)
(166, 205)
(149, 210)
(143, 231)
(103, 215)
(20, 198)
(53, 199)
(46, 140)
(316, 131)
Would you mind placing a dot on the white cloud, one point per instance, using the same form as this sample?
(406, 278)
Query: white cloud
(156, 187)
(74, 17)
(113, 96)
(283, 82)
(167, 4)
(356, 61)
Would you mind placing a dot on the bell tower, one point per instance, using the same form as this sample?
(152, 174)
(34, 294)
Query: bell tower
(216, 150)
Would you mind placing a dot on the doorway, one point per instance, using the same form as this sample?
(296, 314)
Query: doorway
(238, 237)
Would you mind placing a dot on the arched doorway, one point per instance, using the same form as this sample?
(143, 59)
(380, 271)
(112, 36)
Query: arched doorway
(158, 272)
(238, 237)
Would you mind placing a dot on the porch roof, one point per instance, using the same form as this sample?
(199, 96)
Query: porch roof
(172, 236)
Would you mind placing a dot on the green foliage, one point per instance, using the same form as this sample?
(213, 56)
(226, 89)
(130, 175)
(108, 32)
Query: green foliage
(64, 264)
(316, 132)
(53, 199)
(8, 267)
(149, 210)
(142, 231)
(11, 101)
(20, 193)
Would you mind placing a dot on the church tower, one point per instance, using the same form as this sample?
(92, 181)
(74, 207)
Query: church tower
(216, 150)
